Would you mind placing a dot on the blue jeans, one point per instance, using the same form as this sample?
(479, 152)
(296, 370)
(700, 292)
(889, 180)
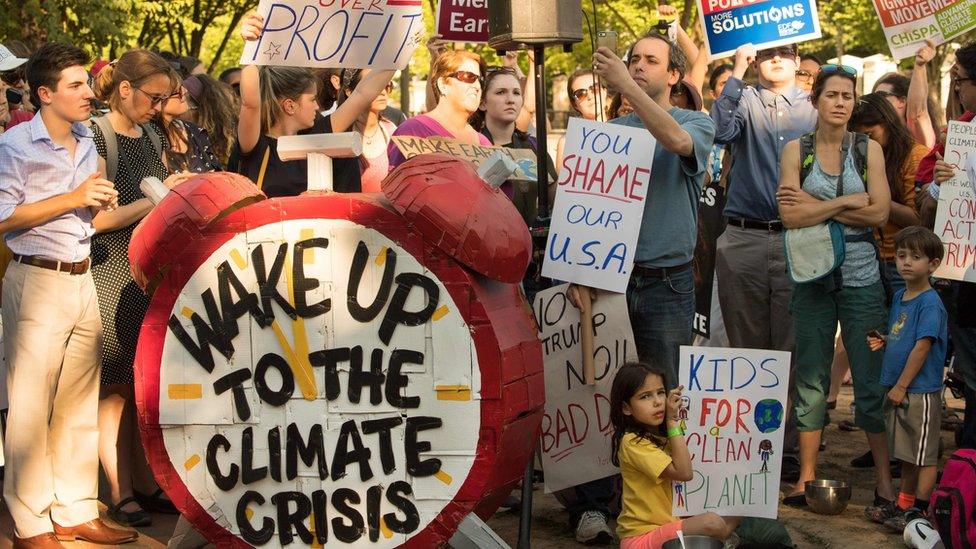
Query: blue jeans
(662, 313)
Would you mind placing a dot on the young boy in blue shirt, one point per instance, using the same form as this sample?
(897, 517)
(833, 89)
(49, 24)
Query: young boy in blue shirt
(914, 356)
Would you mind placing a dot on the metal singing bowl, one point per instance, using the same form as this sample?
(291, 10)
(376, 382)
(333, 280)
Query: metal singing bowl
(694, 542)
(827, 497)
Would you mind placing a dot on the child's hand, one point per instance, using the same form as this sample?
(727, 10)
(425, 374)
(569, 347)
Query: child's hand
(896, 395)
(673, 404)
(876, 340)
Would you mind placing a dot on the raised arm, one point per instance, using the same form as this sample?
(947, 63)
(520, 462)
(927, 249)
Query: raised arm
(917, 107)
(249, 123)
(360, 99)
(697, 60)
(725, 109)
(527, 114)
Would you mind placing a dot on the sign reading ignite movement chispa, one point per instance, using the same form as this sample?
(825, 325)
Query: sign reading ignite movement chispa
(728, 24)
(908, 23)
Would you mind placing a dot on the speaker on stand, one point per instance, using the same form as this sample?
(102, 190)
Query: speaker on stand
(535, 24)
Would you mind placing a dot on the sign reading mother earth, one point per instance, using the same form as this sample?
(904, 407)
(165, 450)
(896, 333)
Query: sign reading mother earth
(379, 34)
(733, 410)
(314, 371)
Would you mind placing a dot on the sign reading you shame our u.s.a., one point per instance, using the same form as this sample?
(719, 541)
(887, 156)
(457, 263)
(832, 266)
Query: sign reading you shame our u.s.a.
(957, 206)
(728, 24)
(380, 34)
(575, 432)
(602, 185)
(463, 20)
(732, 411)
(908, 23)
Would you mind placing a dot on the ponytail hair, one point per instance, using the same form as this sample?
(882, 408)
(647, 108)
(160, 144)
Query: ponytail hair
(278, 84)
(135, 67)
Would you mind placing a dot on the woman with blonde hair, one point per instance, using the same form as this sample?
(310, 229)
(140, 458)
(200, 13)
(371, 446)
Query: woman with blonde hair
(135, 87)
(456, 79)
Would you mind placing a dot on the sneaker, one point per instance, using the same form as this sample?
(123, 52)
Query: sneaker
(898, 522)
(592, 529)
(882, 513)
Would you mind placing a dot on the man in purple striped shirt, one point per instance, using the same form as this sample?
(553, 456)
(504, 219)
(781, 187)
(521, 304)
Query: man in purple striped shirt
(50, 189)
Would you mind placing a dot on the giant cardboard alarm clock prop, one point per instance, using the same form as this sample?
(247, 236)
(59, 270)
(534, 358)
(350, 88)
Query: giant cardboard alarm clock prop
(337, 369)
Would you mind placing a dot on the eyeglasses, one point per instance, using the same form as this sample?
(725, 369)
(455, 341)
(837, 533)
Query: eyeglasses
(154, 99)
(178, 94)
(763, 55)
(833, 68)
(804, 75)
(582, 93)
(465, 76)
(13, 76)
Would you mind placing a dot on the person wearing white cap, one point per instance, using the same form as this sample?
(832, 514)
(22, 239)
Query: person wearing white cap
(9, 61)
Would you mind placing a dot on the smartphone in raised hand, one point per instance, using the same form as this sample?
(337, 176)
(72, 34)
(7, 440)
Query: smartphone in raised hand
(607, 39)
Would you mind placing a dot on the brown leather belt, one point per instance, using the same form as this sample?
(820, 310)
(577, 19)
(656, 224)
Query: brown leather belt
(76, 268)
(662, 272)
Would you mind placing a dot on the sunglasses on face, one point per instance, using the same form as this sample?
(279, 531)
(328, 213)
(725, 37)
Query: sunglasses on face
(834, 68)
(582, 93)
(14, 76)
(775, 52)
(465, 76)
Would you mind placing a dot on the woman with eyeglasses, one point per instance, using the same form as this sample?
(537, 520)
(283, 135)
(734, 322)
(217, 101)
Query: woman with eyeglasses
(135, 88)
(874, 116)
(374, 164)
(456, 84)
(496, 119)
(853, 294)
(213, 107)
(588, 98)
(189, 147)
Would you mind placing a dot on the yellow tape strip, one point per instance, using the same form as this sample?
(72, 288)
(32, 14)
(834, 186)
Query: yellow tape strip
(453, 392)
(188, 391)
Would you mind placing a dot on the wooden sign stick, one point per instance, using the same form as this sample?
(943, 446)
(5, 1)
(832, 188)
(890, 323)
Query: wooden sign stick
(586, 334)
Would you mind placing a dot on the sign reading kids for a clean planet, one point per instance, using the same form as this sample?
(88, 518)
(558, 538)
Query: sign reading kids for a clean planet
(379, 34)
(957, 207)
(728, 24)
(732, 411)
(576, 429)
(908, 23)
(602, 186)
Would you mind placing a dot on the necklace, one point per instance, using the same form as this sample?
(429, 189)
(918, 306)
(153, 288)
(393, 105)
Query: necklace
(368, 139)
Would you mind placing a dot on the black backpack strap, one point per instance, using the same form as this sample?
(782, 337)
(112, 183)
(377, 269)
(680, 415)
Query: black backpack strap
(808, 153)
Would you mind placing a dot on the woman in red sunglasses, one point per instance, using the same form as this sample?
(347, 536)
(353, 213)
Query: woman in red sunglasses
(456, 78)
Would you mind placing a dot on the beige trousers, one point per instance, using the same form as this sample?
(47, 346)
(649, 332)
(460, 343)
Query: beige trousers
(53, 342)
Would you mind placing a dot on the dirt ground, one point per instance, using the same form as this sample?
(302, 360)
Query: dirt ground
(550, 529)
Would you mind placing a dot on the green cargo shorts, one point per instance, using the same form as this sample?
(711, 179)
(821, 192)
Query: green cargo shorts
(816, 313)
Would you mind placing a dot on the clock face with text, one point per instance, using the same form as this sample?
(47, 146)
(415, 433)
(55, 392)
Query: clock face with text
(313, 372)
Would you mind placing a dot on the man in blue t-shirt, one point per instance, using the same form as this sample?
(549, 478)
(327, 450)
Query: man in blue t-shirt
(661, 292)
(914, 356)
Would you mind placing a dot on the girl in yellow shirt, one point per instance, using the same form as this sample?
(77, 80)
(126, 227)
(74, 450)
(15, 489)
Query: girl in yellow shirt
(650, 449)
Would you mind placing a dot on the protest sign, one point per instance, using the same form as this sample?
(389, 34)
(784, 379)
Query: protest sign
(463, 20)
(733, 413)
(316, 371)
(575, 437)
(711, 225)
(602, 185)
(908, 23)
(957, 207)
(411, 146)
(728, 24)
(379, 34)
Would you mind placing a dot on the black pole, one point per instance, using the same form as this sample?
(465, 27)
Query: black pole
(540, 129)
(525, 512)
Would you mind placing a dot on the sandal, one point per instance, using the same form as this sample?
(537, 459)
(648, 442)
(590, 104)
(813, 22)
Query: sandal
(156, 503)
(796, 499)
(129, 518)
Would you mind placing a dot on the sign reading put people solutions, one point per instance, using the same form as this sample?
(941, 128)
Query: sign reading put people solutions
(957, 206)
(728, 24)
(733, 413)
(602, 185)
(379, 34)
(908, 23)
